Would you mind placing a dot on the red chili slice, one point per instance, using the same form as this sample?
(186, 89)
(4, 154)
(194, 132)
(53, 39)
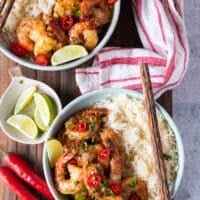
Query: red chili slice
(73, 161)
(94, 180)
(18, 50)
(134, 197)
(116, 189)
(66, 22)
(81, 126)
(111, 2)
(104, 154)
(41, 59)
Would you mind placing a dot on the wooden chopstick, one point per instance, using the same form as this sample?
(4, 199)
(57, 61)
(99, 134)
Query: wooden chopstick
(6, 6)
(154, 131)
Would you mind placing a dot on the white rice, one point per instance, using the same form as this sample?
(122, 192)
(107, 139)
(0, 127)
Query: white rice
(21, 9)
(127, 116)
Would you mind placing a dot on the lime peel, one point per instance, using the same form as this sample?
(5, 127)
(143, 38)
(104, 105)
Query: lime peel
(54, 150)
(46, 108)
(24, 124)
(24, 99)
(68, 53)
(38, 121)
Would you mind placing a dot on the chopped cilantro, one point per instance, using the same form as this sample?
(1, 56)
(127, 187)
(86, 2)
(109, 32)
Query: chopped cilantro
(134, 182)
(91, 126)
(167, 157)
(76, 182)
(76, 11)
(21, 81)
(108, 191)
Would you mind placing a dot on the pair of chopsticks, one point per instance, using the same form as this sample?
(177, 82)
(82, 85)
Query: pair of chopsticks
(154, 131)
(5, 8)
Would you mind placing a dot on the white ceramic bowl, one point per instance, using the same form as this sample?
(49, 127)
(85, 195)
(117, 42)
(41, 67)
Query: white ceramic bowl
(9, 99)
(27, 63)
(84, 101)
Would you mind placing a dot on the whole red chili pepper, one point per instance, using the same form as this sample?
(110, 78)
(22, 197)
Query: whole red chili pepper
(11, 180)
(26, 172)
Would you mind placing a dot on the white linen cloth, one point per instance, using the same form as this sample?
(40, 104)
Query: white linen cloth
(161, 28)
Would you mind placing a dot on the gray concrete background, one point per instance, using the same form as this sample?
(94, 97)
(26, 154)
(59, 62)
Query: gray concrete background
(186, 107)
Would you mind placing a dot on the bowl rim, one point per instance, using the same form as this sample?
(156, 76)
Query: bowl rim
(136, 94)
(75, 63)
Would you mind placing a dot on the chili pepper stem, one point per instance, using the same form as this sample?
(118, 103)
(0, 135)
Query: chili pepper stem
(4, 153)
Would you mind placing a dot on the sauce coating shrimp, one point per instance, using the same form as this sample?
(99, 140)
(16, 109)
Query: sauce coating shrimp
(32, 35)
(74, 183)
(65, 7)
(97, 10)
(140, 188)
(89, 121)
(84, 33)
(109, 139)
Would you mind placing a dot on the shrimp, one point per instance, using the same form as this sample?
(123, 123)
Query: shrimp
(65, 7)
(74, 183)
(110, 140)
(113, 198)
(32, 35)
(24, 30)
(84, 33)
(98, 10)
(140, 188)
(89, 156)
(96, 168)
(93, 124)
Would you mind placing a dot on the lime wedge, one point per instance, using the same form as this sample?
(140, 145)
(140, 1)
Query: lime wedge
(24, 124)
(46, 108)
(39, 122)
(68, 53)
(24, 99)
(54, 150)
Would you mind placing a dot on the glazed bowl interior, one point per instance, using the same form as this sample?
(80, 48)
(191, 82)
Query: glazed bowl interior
(9, 99)
(83, 102)
(30, 64)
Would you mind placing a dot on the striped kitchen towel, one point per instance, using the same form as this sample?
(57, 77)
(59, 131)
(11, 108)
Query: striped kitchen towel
(162, 31)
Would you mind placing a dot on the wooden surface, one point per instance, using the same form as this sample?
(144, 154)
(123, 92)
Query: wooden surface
(64, 84)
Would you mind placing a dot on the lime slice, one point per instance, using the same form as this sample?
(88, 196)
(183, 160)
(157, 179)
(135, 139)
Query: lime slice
(24, 124)
(68, 53)
(39, 122)
(54, 150)
(46, 108)
(24, 99)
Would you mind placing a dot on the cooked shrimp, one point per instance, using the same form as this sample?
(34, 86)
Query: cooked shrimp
(98, 10)
(83, 33)
(74, 183)
(89, 155)
(140, 188)
(92, 124)
(113, 198)
(110, 140)
(32, 35)
(65, 7)
(25, 29)
(89, 170)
